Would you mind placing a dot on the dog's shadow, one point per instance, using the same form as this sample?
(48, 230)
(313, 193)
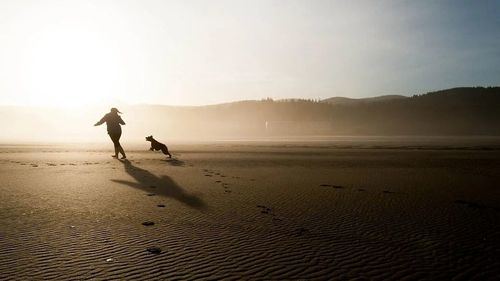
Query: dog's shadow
(174, 162)
(162, 186)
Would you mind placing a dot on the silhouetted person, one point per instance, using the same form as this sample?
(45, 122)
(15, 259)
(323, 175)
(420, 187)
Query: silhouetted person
(113, 122)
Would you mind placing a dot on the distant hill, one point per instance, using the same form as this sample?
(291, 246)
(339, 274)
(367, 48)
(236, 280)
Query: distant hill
(458, 111)
(344, 100)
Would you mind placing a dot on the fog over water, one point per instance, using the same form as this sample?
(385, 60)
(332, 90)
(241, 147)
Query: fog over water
(453, 113)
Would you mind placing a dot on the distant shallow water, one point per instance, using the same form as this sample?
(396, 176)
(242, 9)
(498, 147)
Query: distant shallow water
(333, 142)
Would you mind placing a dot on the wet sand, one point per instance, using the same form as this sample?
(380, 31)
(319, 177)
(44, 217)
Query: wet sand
(261, 211)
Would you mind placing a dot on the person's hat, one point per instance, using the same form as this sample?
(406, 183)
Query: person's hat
(114, 109)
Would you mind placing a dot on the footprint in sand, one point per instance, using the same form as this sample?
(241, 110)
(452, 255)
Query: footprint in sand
(301, 231)
(148, 223)
(226, 187)
(154, 250)
(265, 210)
(361, 189)
(34, 165)
(469, 204)
(388, 192)
(331, 185)
(160, 206)
(152, 186)
(151, 194)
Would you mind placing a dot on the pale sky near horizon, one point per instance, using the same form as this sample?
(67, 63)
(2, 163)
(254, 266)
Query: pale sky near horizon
(61, 53)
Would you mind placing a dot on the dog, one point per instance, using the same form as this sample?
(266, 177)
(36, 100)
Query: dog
(156, 145)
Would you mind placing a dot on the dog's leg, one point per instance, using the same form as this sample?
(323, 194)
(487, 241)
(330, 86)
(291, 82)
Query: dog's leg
(165, 151)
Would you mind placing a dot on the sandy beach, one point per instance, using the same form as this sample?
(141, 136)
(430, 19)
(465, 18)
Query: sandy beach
(310, 140)
(261, 211)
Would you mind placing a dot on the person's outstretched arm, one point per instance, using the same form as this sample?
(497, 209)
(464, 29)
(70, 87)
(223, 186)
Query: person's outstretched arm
(103, 119)
(121, 121)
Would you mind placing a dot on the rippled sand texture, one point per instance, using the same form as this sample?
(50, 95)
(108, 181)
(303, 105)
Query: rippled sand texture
(245, 211)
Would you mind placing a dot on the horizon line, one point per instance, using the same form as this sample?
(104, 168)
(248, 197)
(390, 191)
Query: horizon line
(243, 100)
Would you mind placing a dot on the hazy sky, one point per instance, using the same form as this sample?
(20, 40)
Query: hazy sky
(203, 52)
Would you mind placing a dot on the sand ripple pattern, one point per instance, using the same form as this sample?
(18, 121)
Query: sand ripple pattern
(285, 223)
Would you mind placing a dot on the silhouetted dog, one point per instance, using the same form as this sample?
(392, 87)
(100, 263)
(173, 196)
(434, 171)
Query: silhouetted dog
(155, 145)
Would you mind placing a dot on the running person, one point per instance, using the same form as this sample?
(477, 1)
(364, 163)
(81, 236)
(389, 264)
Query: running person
(113, 122)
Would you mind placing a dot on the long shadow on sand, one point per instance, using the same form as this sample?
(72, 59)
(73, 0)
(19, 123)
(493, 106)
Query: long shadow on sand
(163, 186)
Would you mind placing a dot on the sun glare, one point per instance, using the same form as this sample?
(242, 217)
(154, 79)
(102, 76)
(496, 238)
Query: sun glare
(71, 68)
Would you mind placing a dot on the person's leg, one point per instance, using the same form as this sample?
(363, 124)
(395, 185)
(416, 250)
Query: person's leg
(116, 144)
(122, 152)
(120, 148)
